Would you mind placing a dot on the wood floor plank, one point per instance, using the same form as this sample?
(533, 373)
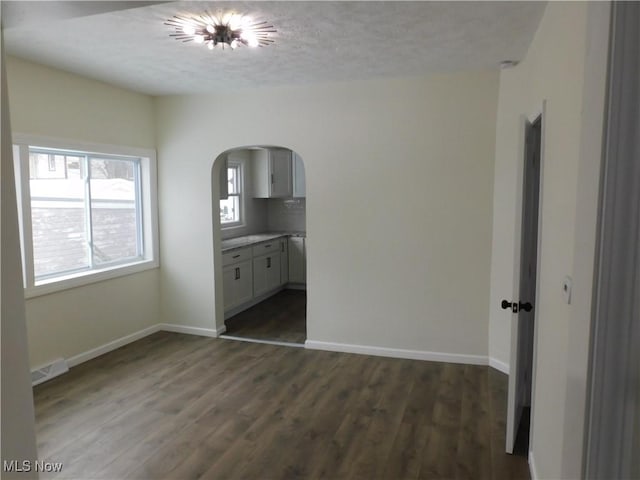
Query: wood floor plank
(177, 407)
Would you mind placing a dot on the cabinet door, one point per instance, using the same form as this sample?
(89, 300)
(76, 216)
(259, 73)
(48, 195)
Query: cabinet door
(280, 161)
(266, 273)
(284, 263)
(228, 286)
(299, 182)
(244, 282)
(260, 173)
(237, 282)
(296, 260)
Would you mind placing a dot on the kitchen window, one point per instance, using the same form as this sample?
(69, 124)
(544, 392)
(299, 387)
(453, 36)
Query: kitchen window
(85, 216)
(231, 207)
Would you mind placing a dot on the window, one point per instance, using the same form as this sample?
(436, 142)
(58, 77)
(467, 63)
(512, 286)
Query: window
(84, 216)
(230, 208)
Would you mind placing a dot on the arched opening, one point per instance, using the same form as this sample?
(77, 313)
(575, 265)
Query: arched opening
(260, 240)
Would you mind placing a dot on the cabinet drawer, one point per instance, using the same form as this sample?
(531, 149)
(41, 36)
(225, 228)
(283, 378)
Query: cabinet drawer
(236, 256)
(267, 247)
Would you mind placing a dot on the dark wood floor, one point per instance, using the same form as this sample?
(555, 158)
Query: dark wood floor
(281, 318)
(185, 407)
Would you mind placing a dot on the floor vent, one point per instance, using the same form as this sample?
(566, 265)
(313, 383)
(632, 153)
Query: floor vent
(55, 368)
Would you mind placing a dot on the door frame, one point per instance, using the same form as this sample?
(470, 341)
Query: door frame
(612, 428)
(540, 112)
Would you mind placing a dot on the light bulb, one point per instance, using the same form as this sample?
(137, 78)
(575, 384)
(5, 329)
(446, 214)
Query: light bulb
(252, 41)
(211, 28)
(189, 29)
(198, 39)
(233, 44)
(234, 21)
(210, 46)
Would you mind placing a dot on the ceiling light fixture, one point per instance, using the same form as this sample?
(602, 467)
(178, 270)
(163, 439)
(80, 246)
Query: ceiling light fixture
(229, 30)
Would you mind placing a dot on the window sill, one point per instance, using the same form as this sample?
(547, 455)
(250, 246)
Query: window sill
(80, 279)
(231, 226)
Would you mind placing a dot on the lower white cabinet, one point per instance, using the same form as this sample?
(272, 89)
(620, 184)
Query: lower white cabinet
(284, 261)
(266, 273)
(297, 260)
(237, 282)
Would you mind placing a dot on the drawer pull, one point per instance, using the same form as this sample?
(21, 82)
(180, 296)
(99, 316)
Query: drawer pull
(236, 256)
(268, 262)
(237, 273)
(267, 246)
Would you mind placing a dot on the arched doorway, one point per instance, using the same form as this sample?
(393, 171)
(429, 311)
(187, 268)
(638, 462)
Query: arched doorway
(261, 198)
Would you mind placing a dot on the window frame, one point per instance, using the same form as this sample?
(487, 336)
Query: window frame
(240, 183)
(146, 198)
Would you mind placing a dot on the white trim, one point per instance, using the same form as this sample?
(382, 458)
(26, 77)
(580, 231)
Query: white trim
(203, 332)
(113, 345)
(266, 342)
(149, 214)
(532, 466)
(122, 341)
(499, 365)
(398, 353)
(88, 277)
(80, 145)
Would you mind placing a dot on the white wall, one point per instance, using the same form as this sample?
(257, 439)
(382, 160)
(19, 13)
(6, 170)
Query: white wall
(554, 70)
(286, 215)
(48, 102)
(399, 204)
(18, 423)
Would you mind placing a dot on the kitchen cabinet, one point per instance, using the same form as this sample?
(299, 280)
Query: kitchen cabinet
(299, 182)
(297, 260)
(266, 273)
(284, 261)
(237, 282)
(272, 173)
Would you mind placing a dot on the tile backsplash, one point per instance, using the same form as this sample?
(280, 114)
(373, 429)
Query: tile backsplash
(286, 215)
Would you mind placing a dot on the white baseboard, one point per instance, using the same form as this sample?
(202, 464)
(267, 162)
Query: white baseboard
(108, 347)
(532, 467)
(203, 332)
(499, 365)
(121, 342)
(397, 353)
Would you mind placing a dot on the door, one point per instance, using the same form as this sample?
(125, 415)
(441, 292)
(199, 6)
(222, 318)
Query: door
(284, 261)
(522, 329)
(237, 281)
(280, 173)
(266, 273)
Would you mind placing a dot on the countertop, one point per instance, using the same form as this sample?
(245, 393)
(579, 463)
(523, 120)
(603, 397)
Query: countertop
(247, 240)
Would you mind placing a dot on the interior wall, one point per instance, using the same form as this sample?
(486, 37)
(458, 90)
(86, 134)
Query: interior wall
(399, 210)
(50, 103)
(555, 68)
(286, 215)
(18, 437)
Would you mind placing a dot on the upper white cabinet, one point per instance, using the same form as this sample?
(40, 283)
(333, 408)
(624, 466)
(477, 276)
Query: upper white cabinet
(299, 185)
(272, 173)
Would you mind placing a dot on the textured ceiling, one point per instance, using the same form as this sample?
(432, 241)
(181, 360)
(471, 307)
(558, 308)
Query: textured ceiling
(316, 42)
